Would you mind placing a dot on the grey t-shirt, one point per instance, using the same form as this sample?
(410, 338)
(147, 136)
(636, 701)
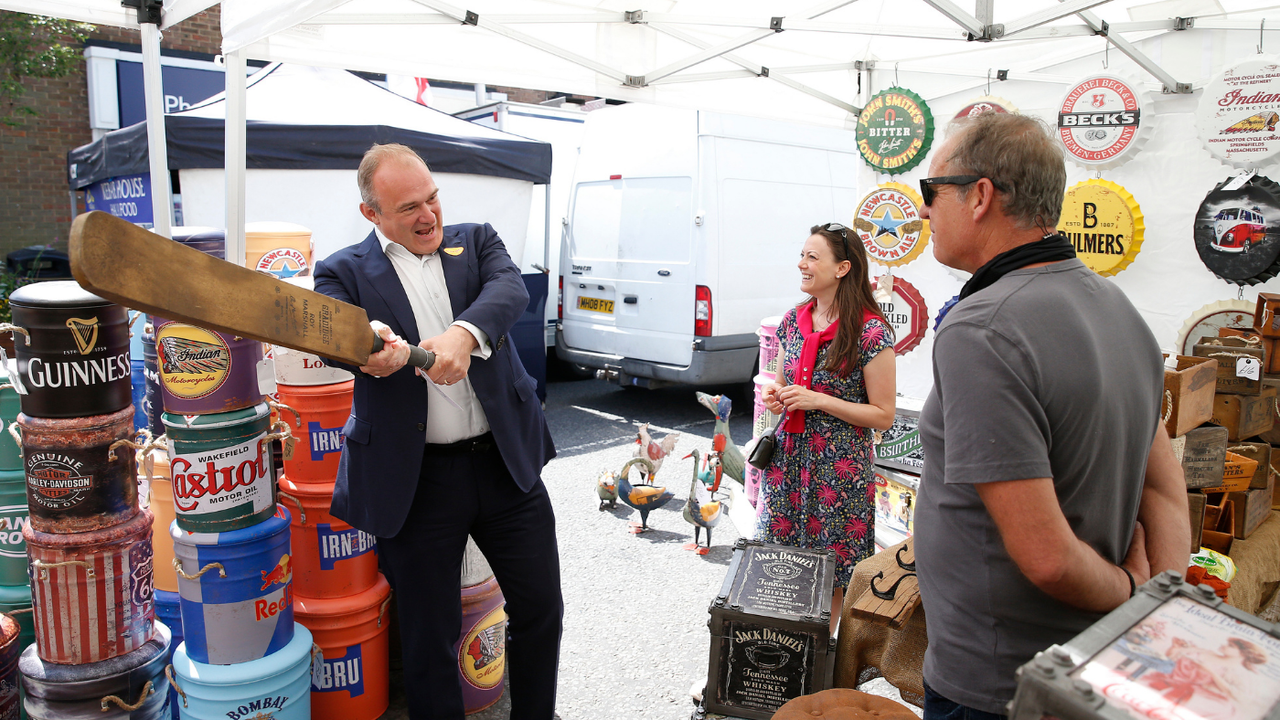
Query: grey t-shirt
(1049, 372)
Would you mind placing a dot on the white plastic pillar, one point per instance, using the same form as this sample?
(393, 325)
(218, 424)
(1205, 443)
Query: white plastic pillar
(234, 157)
(157, 149)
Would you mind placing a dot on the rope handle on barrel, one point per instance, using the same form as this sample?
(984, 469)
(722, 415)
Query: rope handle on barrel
(16, 432)
(177, 565)
(301, 511)
(1250, 340)
(11, 328)
(168, 674)
(316, 651)
(1168, 400)
(282, 433)
(45, 567)
(147, 691)
(111, 451)
(278, 406)
(382, 612)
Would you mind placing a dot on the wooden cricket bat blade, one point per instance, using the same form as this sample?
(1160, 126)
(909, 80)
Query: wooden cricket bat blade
(136, 268)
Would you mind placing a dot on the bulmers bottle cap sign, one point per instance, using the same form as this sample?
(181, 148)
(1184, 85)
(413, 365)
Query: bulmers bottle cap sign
(1103, 221)
(1101, 121)
(1239, 112)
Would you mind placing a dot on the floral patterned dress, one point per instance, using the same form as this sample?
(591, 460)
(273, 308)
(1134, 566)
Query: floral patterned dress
(819, 490)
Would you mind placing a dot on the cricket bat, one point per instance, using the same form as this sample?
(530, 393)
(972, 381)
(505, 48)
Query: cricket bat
(136, 268)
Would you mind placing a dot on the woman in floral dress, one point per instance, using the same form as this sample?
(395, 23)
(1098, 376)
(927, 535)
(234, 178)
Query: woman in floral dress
(836, 381)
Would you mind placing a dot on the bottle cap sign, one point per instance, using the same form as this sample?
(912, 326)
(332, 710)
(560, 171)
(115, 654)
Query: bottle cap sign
(907, 314)
(1104, 223)
(1239, 112)
(889, 225)
(1237, 229)
(894, 130)
(986, 104)
(1101, 121)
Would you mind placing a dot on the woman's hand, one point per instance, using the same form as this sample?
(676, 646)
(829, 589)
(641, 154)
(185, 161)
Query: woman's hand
(769, 396)
(796, 397)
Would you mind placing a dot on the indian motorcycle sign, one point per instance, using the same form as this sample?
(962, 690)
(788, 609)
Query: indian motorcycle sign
(1239, 111)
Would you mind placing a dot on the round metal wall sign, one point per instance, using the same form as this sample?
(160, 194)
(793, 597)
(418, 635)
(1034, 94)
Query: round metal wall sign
(986, 104)
(1237, 229)
(894, 130)
(1239, 112)
(1206, 321)
(1104, 223)
(907, 315)
(888, 223)
(1101, 121)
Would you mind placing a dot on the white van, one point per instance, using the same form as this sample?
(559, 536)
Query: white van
(684, 230)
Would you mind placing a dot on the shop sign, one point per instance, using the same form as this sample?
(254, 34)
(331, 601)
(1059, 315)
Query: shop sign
(1237, 229)
(986, 104)
(1206, 321)
(906, 312)
(1239, 111)
(888, 223)
(894, 130)
(1102, 121)
(128, 197)
(1104, 223)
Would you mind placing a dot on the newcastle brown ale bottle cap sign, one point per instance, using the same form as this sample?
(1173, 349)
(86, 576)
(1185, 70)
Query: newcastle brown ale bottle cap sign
(1237, 229)
(1239, 112)
(1101, 121)
(889, 225)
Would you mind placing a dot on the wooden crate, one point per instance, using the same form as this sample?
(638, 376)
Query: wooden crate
(1195, 503)
(1245, 416)
(1272, 436)
(1265, 317)
(1268, 345)
(1237, 471)
(1260, 452)
(1227, 352)
(770, 630)
(1188, 394)
(1252, 507)
(1219, 523)
(1202, 452)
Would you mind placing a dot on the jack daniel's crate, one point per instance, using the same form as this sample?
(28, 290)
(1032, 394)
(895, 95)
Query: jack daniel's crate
(1173, 651)
(770, 630)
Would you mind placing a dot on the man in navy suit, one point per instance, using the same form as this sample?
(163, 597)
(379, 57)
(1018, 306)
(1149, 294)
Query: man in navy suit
(430, 460)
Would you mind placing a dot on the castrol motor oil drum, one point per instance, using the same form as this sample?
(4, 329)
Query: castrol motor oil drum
(75, 358)
(92, 591)
(237, 591)
(221, 468)
(202, 371)
(354, 681)
(274, 687)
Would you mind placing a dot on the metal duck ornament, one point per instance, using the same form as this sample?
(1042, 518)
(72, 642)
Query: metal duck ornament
(644, 497)
(607, 489)
(732, 458)
(702, 510)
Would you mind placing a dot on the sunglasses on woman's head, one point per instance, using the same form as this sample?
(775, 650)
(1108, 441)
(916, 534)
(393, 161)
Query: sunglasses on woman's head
(844, 234)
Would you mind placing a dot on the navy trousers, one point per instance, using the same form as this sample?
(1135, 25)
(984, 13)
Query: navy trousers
(471, 493)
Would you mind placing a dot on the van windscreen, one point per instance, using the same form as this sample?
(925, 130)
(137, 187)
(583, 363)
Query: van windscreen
(648, 219)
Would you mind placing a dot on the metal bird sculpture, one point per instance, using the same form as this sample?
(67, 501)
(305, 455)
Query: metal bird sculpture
(702, 510)
(644, 497)
(731, 457)
(655, 451)
(607, 489)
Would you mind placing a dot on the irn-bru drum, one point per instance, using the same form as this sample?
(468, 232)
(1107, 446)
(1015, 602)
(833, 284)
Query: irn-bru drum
(92, 591)
(237, 591)
(221, 467)
(482, 647)
(280, 248)
(13, 517)
(330, 558)
(78, 478)
(210, 241)
(101, 689)
(274, 687)
(353, 683)
(10, 649)
(10, 453)
(203, 372)
(324, 409)
(161, 505)
(77, 362)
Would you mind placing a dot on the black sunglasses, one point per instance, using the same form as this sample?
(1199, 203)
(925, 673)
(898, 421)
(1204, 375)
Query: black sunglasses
(844, 234)
(928, 192)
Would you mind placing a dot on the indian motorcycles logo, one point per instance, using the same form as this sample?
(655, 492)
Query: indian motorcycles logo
(482, 654)
(194, 362)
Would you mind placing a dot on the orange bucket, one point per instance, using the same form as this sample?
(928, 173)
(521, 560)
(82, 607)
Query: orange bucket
(161, 484)
(331, 559)
(352, 633)
(324, 410)
(482, 648)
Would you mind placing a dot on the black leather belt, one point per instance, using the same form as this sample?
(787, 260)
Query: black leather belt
(479, 443)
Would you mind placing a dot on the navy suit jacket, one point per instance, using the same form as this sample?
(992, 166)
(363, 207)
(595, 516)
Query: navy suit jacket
(382, 455)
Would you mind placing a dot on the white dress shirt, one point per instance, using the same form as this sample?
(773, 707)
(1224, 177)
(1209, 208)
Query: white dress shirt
(423, 281)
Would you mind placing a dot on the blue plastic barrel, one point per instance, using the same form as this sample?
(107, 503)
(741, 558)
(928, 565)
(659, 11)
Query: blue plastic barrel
(138, 370)
(236, 591)
(169, 612)
(277, 686)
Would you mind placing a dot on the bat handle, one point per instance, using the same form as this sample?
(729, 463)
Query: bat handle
(418, 357)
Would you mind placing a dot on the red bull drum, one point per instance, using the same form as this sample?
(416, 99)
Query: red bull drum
(237, 591)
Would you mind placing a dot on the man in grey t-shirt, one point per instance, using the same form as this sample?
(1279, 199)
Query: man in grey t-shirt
(1050, 487)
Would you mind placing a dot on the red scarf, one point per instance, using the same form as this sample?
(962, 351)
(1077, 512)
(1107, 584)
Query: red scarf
(813, 342)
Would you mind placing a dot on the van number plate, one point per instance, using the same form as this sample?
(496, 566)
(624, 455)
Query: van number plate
(595, 304)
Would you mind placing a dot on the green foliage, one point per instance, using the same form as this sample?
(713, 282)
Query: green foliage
(10, 281)
(38, 47)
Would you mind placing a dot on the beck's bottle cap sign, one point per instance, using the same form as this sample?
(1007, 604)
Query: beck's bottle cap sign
(1104, 223)
(1239, 112)
(895, 130)
(1102, 121)
(888, 223)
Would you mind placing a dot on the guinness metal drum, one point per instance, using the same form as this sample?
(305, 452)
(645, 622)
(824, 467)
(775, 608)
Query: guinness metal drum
(77, 362)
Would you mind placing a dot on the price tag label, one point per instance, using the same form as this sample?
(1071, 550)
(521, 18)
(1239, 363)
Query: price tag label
(1249, 367)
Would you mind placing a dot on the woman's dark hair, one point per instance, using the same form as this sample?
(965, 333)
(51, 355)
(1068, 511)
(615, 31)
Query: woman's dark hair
(1250, 654)
(853, 298)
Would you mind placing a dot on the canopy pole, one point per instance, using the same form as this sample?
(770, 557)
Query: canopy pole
(157, 149)
(234, 157)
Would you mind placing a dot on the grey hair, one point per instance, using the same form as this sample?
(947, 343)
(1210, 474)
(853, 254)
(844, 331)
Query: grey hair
(1019, 155)
(373, 159)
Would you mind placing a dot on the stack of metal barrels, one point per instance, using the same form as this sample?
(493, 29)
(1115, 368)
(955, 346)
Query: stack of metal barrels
(98, 649)
(340, 595)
